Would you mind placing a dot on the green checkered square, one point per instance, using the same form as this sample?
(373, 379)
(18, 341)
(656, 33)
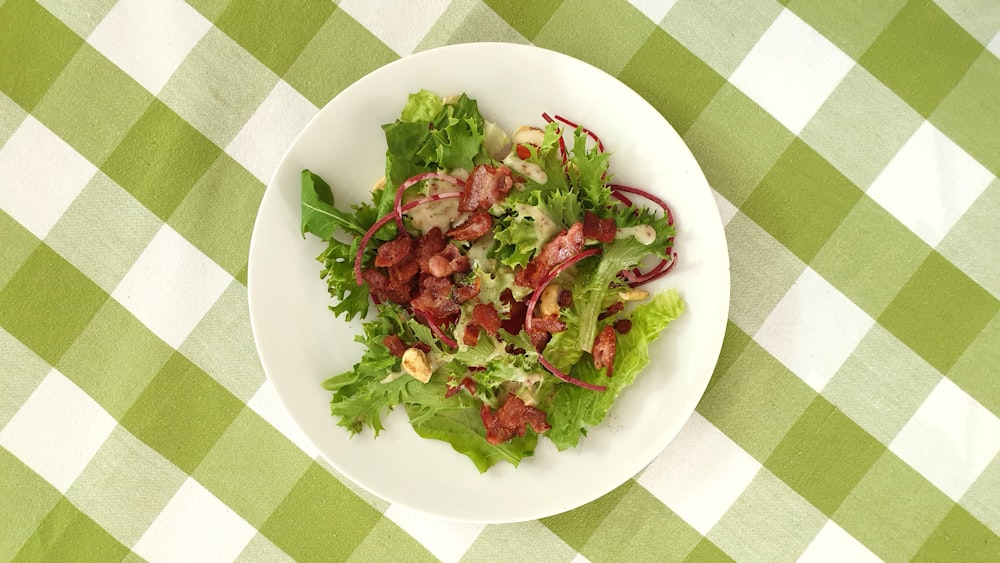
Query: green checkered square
(160, 159)
(37, 309)
(274, 33)
(262, 549)
(736, 158)
(881, 384)
(218, 87)
(115, 102)
(706, 551)
(762, 270)
(976, 370)
(211, 9)
(605, 34)
(973, 244)
(386, 542)
(313, 75)
(34, 49)
(115, 358)
(453, 26)
(375, 502)
(960, 537)
(640, 525)
(855, 260)
(218, 213)
(677, 83)
(980, 18)
(759, 388)
(921, 55)
(851, 25)
(577, 526)
(970, 114)
(18, 244)
(182, 413)
(733, 344)
(82, 16)
(11, 116)
(21, 370)
(526, 16)
(768, 508)
(893, 509)
(824, 437)
(103, 232)
(845, 133)
(268, 464)
(939, 312)
(61, 534)
(125, 486)
(802, 200)
(721, 34)
(222, 344)
(301, 524)
(32, 496)
(535, 543)
(981, 498)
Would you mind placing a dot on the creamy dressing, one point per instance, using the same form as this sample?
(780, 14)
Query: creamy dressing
(442, 213)
(478, 251)
(526, 169)
(642, 233)
(545, 227)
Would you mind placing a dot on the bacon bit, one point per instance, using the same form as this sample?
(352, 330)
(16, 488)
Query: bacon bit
(523, 152)
(427, 246)
(539, 338)
(599, 229)
(394, 251)
(565, 298)
(439, 266)
(404, 270)
(614, 309)
(435, 298)
(464, 292)
(604, 349)
(376, 280)
(511, 419)
(471, 335)
(476, 226)
(468, 384)
(550, 324)
(394, 344)
(562, 247)
(623, 326)
(486, 316)
(485, 186)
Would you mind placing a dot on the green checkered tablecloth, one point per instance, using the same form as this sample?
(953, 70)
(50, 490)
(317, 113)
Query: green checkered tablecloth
(854, 148)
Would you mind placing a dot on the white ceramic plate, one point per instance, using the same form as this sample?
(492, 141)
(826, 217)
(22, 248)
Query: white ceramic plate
(301, 343)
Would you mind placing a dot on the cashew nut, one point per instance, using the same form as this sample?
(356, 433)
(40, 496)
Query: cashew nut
(415, 364)
(550, 300)
(526, 135)
(379, 185)
(633, 294)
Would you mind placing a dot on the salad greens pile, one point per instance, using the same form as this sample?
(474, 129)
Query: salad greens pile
(557, 182)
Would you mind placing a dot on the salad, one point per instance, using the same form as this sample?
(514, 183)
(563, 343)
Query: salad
(506, 275)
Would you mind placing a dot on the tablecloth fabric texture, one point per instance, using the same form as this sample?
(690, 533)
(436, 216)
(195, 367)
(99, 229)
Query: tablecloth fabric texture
(854, 148)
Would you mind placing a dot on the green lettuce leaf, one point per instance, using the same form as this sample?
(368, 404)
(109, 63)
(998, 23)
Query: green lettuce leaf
(422, 106)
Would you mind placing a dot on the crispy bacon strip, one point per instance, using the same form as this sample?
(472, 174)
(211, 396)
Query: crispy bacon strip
(478, 225)
(562, 246)
(485, 186)
(599, 229)
(511, 419)
(604, 349)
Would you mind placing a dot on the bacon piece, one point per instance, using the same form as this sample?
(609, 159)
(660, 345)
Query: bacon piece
(394, 344)
(485, 186)
(467, 383)
(439, 266)
(539, 338)
(563, 246)
(427, 246)
(435, 298)
(404, 270)
(548, 323)
(511, 420)
(476, 226)
(600, 229)
(394, 251)
(464, 292)
(604, 349)
(486, 316)
(471, 335)
(377, 281)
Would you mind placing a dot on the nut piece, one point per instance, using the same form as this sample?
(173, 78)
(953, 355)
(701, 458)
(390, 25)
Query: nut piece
(415, 364)
(379, 185)
(633, 294)
(550, 300)
(525, 135)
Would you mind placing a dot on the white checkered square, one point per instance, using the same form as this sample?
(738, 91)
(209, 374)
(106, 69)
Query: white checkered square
(267, 404)
(813, 329)
(950, 439)
(195, 526)
(40, 176)
(264, 139)
(930, 184)
(833, 545)
(171, 286)
(700, 474)
(401, 28)
(445, 539)
(791, 71)
(655, 10)
(58, 430)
